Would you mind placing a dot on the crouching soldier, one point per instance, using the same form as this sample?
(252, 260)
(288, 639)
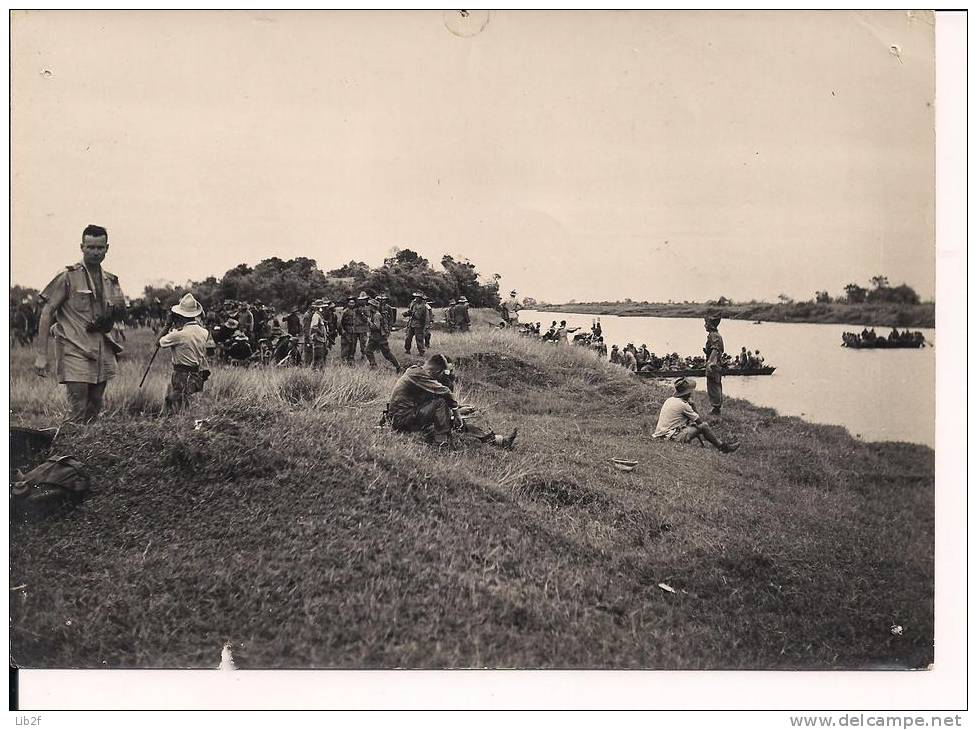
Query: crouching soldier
(188, 341)
(422, 402)
(379, 332)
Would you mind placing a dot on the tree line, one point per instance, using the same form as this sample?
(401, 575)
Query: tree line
(290, 283)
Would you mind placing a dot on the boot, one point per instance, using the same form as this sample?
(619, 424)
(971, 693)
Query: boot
(728, 447)
(715, 411)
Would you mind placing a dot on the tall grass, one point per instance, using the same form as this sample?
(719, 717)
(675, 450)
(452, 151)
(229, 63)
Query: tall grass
(295, 528)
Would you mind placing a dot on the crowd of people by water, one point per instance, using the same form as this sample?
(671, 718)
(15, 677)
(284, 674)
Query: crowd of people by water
(895, 338)
(635, 358)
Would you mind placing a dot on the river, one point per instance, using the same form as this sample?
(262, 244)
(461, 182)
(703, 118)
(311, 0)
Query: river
(878, 395)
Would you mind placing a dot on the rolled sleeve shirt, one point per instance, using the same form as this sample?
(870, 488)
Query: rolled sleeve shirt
(676, 414)
(189, 345)
(77, 301)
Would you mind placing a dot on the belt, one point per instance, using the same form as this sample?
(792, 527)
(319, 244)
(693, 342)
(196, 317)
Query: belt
(186, 368)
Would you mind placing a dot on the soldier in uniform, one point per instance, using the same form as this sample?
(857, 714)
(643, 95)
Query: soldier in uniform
(386, 310)
(188, 340)
(423, 401)
(714, 350)
(361, 326)
(462, 321)
(332, 321)
(449, 315)
(82, 301)
(430, 321)
(416, 321)
(379, 332)
(318, 335)
(246, 322)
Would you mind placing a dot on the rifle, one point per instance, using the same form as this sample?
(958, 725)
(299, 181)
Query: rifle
(169, 325)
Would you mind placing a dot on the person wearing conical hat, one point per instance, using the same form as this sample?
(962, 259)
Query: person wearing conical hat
(679, 421)
(187, 342)
(417, 317)
(714, 351)
(379, 334)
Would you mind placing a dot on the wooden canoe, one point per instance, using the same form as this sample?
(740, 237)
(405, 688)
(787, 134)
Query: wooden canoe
(701, 372)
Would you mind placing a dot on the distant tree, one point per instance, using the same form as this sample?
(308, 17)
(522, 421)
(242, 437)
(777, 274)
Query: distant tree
(529, 302)
(822, 297)
(855, 294)
(879, 282)
(353, 270)
(724, 301)
(784, 299)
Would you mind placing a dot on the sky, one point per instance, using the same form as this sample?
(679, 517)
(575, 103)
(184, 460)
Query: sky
(581, 155)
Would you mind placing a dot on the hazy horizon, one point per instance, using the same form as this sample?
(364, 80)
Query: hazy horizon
(592, 156)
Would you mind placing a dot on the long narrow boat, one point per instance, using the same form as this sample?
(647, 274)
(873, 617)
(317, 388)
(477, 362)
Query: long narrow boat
(881, 343)
(701, 372)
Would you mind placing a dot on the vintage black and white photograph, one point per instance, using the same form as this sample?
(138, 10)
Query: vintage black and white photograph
(472, 339)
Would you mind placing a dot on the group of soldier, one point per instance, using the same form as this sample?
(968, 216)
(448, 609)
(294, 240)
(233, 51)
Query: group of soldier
(868, 338)
(244, 333)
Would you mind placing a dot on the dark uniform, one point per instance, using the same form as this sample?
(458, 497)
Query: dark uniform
(379, 332)
(714, 350)
(462, 320)
(417, 321)
(419, 402)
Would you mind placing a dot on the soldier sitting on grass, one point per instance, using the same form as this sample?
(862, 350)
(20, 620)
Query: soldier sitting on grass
(679, 420)
(423, 401)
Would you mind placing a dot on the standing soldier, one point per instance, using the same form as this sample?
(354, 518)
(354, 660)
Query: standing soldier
(318, 335)
(361, 328)
(305, 335)
(332, 321)
(379, 332)
(388, 311)
(83, 300)
(293, 322)
(188, 339)
(449, 315)
(462, 319)
(245, 321)
(429, 322)
(347, 323)
(416, 321)
(714, 350)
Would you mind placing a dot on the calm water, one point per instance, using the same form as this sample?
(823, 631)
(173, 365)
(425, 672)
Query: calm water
(880, 395)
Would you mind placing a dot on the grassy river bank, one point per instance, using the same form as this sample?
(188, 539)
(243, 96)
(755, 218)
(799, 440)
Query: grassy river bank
(294, 529)
(865, 315)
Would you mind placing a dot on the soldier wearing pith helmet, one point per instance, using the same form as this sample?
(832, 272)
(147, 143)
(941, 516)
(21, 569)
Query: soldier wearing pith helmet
(81, 305)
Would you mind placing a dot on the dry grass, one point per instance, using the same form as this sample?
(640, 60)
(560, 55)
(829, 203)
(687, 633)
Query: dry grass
(294, 528)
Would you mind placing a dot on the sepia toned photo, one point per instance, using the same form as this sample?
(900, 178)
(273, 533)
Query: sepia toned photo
(472, 339)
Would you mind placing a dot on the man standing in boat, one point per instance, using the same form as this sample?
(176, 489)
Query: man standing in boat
(714, 350)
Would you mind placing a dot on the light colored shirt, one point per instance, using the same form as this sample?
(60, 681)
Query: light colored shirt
(189, 344)
(676, 414)
(82, 356)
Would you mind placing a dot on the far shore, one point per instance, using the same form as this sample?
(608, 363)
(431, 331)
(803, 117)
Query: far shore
(866, 315)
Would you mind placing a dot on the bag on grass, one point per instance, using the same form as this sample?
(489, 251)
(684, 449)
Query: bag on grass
(58, 478)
